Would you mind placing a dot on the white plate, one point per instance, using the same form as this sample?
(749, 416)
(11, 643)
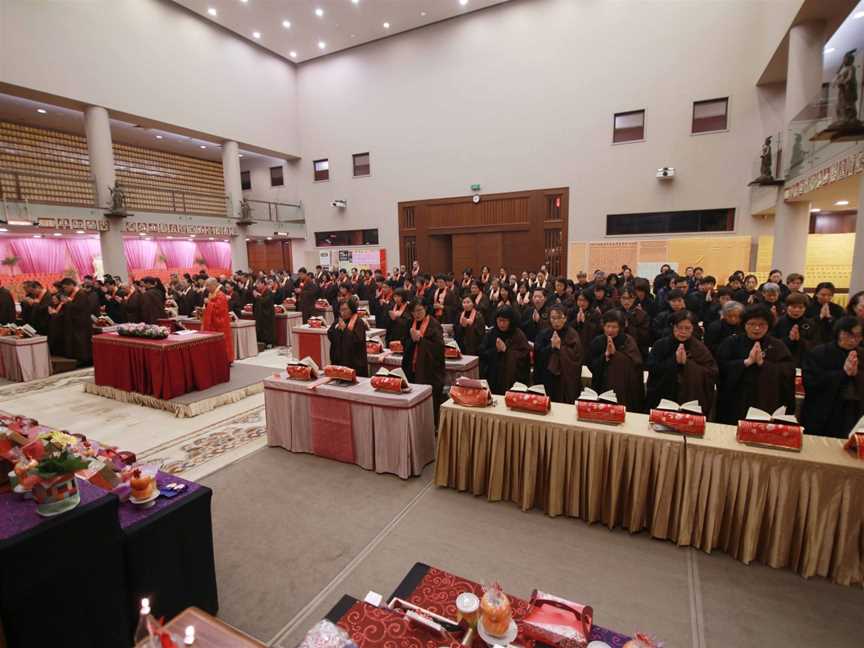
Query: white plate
(494, 640)
(598, 644)
(146, 501)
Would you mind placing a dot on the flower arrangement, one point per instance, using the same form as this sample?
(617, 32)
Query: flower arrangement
(149, 331)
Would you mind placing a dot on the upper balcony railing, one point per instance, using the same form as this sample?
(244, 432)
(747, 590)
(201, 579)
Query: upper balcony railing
(276, 212)
(47, 189)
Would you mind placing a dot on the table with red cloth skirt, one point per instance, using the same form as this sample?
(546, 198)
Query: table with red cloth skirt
(454, 368)
(164, 369)
(434, 590)
(380, 431)
(285, 322)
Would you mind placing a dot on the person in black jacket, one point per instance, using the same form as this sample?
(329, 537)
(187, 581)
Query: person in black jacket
(536, 319)
(824, 312)
(794, 328)
(7, 307)
(834, 382)
(662, 324)
(699, 301)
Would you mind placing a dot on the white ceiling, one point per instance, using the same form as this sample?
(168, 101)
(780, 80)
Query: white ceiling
(26, 111)
(344, 23)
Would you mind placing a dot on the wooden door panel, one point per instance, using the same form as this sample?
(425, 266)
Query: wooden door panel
(464, 252)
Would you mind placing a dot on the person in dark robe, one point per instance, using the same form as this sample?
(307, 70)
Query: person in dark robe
(536, 318)
(505, 353)
(616, 364)
(348, 339)
(661, 326)
(77, 308)
(824, 312)
(38, 314)
(423, 360)
(558, 358)
(680, 367)
(772, 299)
(481, 301)
(834, 382)
(185, 298)
(563, 296)
(644, 298)
(7, 307)
(235, 298)
(794, 328)
(446, 299)
(307, 293)
(700, 300)
(398, 319)
(728, 325)
(748, 294)
(56, 326)
(636, 322)
(152, 302)
(586, 319)
(132, 295)
(111, 302)
(601, 298)
(855, 307)
(756, 370)
(470, 327)
(264, 311)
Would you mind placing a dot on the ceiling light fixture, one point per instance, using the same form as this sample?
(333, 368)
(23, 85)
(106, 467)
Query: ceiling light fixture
(463, 2)
(355, 1)
(41, 111)
(256, 34)
(857, 15)
(142, 233)
(3, 229)
(244, 1)
(241, 155)
(57, 234)
(319, 12)
(815, 210)
(292, 54)
(828, 50)
(79, 232)
(202, 146)
(422, 14)
(269, 238)
(159, 137)
(841, 203)
(321, 44)
(212, 11)
(386, 25)
(37, 236)
(286, 24)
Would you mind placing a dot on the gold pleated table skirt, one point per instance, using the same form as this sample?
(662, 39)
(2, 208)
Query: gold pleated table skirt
(804, 511)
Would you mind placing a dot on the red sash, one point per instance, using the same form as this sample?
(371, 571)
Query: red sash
(423, 327)
(468, 321)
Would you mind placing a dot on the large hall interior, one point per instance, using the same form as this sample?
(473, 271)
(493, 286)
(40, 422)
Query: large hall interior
(427, 323)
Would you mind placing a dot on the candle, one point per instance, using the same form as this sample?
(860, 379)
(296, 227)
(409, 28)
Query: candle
(190, 635)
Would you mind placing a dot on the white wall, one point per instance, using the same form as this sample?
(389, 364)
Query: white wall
(151, 59)
(522, 96)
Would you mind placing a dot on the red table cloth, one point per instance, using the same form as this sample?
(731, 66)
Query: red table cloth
(163, 369)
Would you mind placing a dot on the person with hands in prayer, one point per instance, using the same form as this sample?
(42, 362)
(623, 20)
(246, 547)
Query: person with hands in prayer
(505, 353)
(470, 328)
(558, 358)
(824, 312)
(423, 361)
(616, 364)
(347, 337)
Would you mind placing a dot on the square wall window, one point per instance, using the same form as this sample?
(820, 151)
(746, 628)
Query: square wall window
(629, 126)
(361, 164)
(245, 181)
(710, 115)
(322, 170)
(276, 177)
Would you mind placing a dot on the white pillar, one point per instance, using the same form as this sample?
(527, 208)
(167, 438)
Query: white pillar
(234, 192)
(857, 280)
(803, 82)
(98, 129)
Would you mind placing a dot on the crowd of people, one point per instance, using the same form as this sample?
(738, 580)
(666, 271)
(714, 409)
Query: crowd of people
(729, 347)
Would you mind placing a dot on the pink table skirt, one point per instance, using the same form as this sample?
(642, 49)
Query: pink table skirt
(24, 359)
(387, 433)
(467, 365)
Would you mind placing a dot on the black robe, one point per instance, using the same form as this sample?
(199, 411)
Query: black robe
(7, 307)
(621, 373)
(152, 306)
(590, 328)
(806, 331)
(265, 318)
(717, 332)
(834, 401)
(397, 329)
(38, 315)
(428, 367)
(694, 380)
(501, 370)
(559, 370)
(470, 338)
(132, 307)
(348, 348)
(766, 387)
(309, 293)
(236, 302)
(78, 328)
(824, 332)
(186, 302)
(637, 325)
(531, 328)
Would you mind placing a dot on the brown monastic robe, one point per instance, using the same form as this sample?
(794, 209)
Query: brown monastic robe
(694, 380)
(309, 292)
(423, 361)
(470, 337)
(152, 306)
(78, 328)
(622, 373)
(501, 370)
(348, 347)
(559, 370)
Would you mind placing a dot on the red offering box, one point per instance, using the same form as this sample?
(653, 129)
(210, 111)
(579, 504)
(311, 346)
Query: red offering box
(374, 347)
(387, 383)
(772, 435)
(396, 347)
(855, 443)
(247, 308)
(679, 422)
(470, 396)
(799, 386)
(315, 323)
(451, 352)
(338, 372)
(527, 402)
(555, 621)
(322, 304)
(597, 412)
(299, 372)
(279, 309)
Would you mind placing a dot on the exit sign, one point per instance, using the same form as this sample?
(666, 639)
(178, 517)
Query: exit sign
(475, 187)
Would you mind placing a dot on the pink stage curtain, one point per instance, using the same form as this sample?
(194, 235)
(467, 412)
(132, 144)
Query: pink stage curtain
(140, 254)
(82, 252)
(178, 254)
(39, 255)
(217, 254)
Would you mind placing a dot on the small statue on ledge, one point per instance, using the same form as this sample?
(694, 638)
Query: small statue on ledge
(847, 126)
(766, 175)
(118, 200)
(245, 210)
(797, 153)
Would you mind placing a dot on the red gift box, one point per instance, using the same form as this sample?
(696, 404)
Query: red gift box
(771, 434)
(557, 622)
(396, 347)
(299, 372)
(338, 372)
(528, 401)
(322, 304)
(855, 443)
(374, 347)
(799, 385)
(452, 352)
(315, 322)
(598, 412)
(678, 422)
(387, 383)
(279, 309)
(247, 308)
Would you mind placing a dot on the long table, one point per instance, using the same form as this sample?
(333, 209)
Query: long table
(24, 359)
(380, 431)
(435, 590)
(163, 369)
(801, 510)
(242, 330)
(454, 368)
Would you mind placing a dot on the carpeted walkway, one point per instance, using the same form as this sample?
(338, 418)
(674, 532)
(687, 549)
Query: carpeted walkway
(295, 532)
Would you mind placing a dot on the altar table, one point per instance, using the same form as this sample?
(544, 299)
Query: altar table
(797, 510)
(210, 632)
(242, 330)
(24, 359)
(163, 369)
(380, 431)
(467, 365)
(284, 325)
(312, 342)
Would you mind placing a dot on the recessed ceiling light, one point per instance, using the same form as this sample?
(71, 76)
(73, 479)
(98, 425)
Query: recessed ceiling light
(269, 238)
(256, 34)
(41, 111)
(463, 2)
(37, 236)
(3, 229)
(355, 1)
(191, 236)
(79, 231)
(241, 155)
(159, 137)
(828, 50)
(292, 54)
(386, 25)
(212, 11)
(202, 146)
(244, 1)
(247, 240)
(815, 210)
(857, 15)
(321, 44)
(170, 237)
(211, 239)
(841, 203)
(286, 24)
(319, 12)
(57, 234)
(142, 233)
(423, 14)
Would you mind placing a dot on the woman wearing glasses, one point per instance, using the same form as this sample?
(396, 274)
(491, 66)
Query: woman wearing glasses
(756, 370)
